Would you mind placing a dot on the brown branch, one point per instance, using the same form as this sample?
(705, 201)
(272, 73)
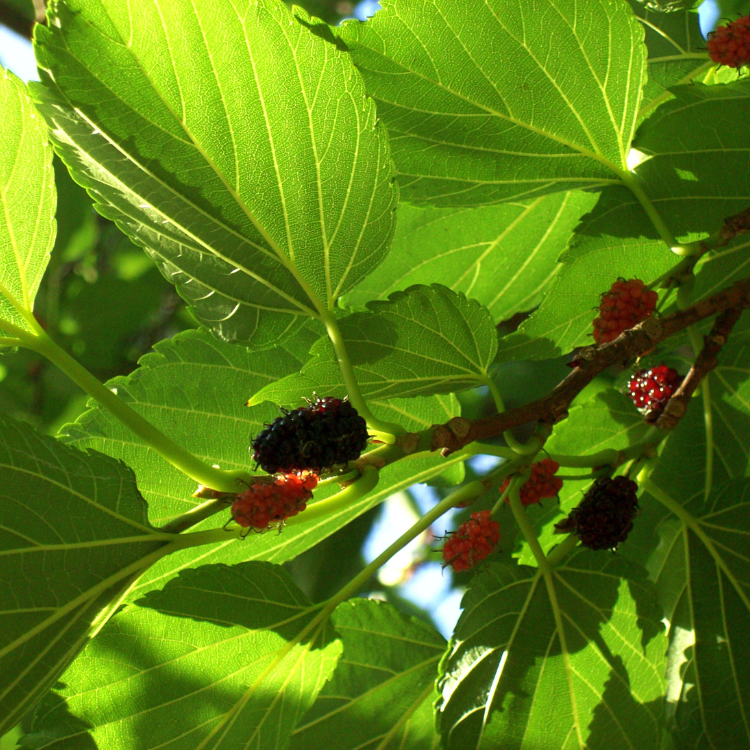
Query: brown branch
(550, 409)
(704, 363)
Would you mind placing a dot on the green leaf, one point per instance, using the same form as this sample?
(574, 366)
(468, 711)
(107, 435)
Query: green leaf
(612, 242)
(237, 147)
(703, 571)
(503, 100)
(223, 657)
(502, 256)
(193, 388)
(583, 669)
(676, 51)
(73, 537)
(699, 149)
(385, 675)
(27, 203)
(423, 340)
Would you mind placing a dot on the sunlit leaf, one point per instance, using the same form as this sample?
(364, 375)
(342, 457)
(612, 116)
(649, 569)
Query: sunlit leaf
(421, 341)
(27, 202)
(232, 143)
(385, 675)
(503, 100)
(227, 656)
(502, 256)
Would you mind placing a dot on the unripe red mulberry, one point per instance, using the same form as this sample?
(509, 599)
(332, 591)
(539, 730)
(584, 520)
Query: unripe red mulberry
(541, 483)
(472, 542)
(730, 45)
(272, 500)
(651, 389)
(605, 517)
(626, 304)
(324, 434)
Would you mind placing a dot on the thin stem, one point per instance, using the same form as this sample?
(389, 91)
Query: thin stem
(515, 446)
(186, 462)
(16, 332)
(467, 492)
(350, 379)
(708, 415)
(664, 232)
(527, 529)
(340, 501)
(195, 515)
(563, 549)
(486, 449)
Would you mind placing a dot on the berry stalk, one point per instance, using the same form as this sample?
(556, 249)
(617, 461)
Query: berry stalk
(168, 449)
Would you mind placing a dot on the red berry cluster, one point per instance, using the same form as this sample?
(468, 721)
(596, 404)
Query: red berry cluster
(730, 45)
(651, 389)
(541, 483)
(473, 541)
(626, 304)
(267, 502)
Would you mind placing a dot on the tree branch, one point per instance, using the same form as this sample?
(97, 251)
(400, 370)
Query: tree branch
(704, 363)
(589, 362)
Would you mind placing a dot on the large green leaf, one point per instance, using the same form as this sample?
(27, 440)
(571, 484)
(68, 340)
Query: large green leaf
(582, 669)
(73, 536)
(503, 100)
(27, 202)
(421, 341)
(676, 51)
(699, 149)
(502, 256)
(385, 675)
(703, 574)
(218, 659)
(193, 388)
(231, 142)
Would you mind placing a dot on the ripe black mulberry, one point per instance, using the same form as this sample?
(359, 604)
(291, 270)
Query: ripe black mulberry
(605, 517)
(327, 432)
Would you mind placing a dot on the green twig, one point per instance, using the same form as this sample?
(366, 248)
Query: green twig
(350, 379)
(186, 462)
(520, 448)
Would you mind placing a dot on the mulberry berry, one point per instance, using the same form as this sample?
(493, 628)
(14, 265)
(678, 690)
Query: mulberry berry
(273, 500)
(473, 541)
(605, 517)
(541, 483)
(324, 434)
(626, 304)
(730, 45)
(651, 389)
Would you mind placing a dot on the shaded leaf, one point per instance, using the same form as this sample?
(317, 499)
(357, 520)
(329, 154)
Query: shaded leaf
(421, 341)
(27, 202)
(525, 670)
(384, 677)
(502, 256)
(223, 657)
(233, 144)
(73, 537)
(503, 100)
(676, 51)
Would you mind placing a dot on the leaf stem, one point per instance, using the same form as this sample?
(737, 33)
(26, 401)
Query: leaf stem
(186, 462)
(527, 449)
(708, 416)
(350, 379)
(632, 184)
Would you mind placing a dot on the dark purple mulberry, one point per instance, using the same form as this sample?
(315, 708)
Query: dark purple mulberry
(605, 517)
(326, 433)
